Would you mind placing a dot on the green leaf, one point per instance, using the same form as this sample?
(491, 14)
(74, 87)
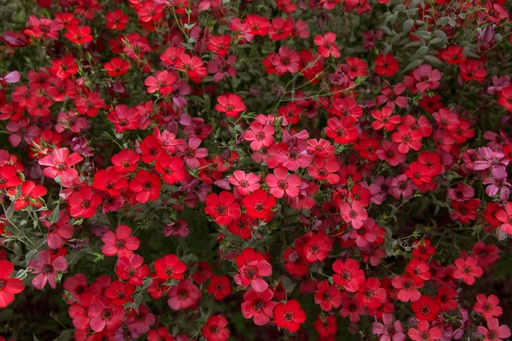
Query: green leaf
(408, 24)
(434, 61)
(420, 53)
(55, 215)
(413, 64)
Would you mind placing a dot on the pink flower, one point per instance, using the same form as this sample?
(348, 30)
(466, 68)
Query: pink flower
(245, 183)
(47, 269)
(59, 163)
(280, 183)
(260, 135)
(467, 270)
(494, 332)
(120, 243)
(389, 330)
(184, 295)
(354, 213)
(423, 333)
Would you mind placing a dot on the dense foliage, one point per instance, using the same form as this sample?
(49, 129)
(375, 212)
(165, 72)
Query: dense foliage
(255, 170)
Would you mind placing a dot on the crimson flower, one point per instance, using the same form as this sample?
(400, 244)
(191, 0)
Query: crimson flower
(222, 207)
(120, 243)
(132, 269)
(259, 306)
(259, 204)
(116, 67)
(163, 82)
(83, 203)
(8, 286)
(424, 333)
(215, 328)
(59, 163)
(327, 45)
(104, 315)
(348, 274)
(79, 34)
(252, 265)
(230, 104)
(110, 181)
(327, 296)
(170, 267)
(219, 287)
(426, 308)
(371, 294)
(146, 186)
(289, 315)
(30, 194)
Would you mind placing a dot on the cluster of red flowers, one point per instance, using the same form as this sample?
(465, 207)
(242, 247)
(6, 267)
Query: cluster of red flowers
(178, 169)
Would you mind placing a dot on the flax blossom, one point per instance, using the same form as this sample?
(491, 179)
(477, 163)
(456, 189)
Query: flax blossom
(59, 163)
(47, 269)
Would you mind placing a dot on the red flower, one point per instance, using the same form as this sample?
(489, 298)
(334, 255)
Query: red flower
(251, 267)
(146, 186)
(120, 292)
(104, 315)
(125, 161)
(109, 181)
(172, 169)
(222, 207)
(170, 267)
(219, 287)
(59, 163)
(124, 118)
(327, 45)
(342, 131)
(116, 20)
(219, 44)
(43, 28)
(348, 274)
(116, 67)
(132, 270)
(259, 204)
(408, 287)
(59, 231)
(230, 104)
(289, 315)
(327, 296)
(120, 243)
(79, 34)
(424, 333)
(386, 65)
(259, 306)
(371, 294)
(215, 328)
(30, 194)
(426, 308)
(83, 203)
(8, 286)
(163, 82)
